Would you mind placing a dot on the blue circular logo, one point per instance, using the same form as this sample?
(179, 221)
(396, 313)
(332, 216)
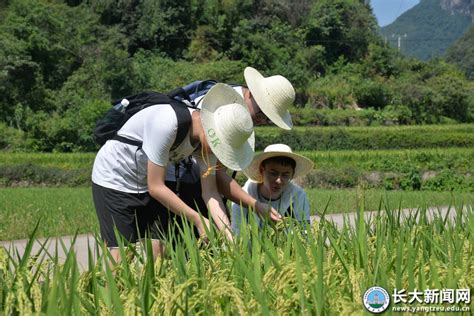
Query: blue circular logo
(376, 299)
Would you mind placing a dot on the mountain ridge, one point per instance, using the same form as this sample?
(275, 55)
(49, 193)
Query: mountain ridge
(429, 28)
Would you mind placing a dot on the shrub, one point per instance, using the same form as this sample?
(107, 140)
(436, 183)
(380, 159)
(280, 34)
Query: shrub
(163, 74)
(330, 92)
(12, 138)
(369, 93)
(29, 174)
(448, 180)
(397, 114)
(337, 138)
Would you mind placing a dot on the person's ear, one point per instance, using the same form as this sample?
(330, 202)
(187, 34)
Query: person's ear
(261, 168)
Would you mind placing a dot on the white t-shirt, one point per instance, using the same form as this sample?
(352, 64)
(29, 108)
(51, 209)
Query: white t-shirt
(293, 197)
(123, 167)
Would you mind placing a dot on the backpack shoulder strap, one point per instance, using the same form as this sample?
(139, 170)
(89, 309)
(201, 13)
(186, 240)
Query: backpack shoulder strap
(181, 110)
(184, 121)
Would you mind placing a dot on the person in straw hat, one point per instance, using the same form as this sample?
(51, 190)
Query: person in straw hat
(270, 181)
(267, 100)
(129, 190)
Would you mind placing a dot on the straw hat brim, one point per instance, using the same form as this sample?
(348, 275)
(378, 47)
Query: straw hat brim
(235, 158)
(303, 164)
(254, 80)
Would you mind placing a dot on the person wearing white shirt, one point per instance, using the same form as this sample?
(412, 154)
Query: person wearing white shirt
(129, 181)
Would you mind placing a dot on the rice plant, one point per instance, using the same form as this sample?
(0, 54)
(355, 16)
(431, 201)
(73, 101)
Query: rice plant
(281, 269)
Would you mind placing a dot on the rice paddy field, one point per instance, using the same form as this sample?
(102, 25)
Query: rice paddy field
(285, 269)
(66, 211)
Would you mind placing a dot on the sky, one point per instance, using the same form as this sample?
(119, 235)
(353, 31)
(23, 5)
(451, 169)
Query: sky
(387, 11)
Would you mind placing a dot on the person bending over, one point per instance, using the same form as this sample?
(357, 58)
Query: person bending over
(129, 190)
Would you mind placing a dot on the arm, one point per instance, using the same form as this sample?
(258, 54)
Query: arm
(160, 192)
(232, 190)
(214, 203)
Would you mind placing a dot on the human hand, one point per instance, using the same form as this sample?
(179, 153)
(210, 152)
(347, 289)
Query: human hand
(267, 211)
(201, 226)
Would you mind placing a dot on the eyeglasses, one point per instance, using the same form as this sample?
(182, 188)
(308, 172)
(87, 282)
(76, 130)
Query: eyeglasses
(273, 176)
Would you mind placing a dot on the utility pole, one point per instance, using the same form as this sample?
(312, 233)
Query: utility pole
(399, 39)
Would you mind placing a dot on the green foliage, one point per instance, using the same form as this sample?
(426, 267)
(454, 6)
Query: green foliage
(461, 53)
(421, 93)
(163, 74)
(371, 93)
(33, 175)
(333, 91)
(415, 169)
(162, 25)
(288, 268)
(337, 138)
(390, 115)
(62, 61)
(448, 180)
(329, 24)
(12, 139)
(61, 210)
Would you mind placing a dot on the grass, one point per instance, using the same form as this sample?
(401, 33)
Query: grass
(433, 169)
(63, 211)
(432, 128)
(340, 201)
(322, 272)
(66, 211)
(457, 159)
(58, 160)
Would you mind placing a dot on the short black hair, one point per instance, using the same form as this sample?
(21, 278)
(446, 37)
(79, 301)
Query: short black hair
(281, 160)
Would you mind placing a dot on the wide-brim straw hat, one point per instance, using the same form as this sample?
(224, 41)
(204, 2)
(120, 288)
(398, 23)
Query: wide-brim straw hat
(228, 126)
(274, 96)
(303, 164)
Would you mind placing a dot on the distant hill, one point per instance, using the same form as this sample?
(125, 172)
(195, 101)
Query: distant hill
(462, 53)
(430, 27)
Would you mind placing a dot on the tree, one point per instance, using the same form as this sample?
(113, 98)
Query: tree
(462, 53)
(343, 27)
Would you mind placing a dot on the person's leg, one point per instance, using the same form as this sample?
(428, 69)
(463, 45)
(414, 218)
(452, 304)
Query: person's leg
(116, 214)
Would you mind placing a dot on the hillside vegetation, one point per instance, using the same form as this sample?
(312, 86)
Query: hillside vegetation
(462, 53)
(62, 61)
(429, 28)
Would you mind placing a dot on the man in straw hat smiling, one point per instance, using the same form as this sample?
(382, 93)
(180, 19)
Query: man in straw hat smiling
(270, 174)
(129, 182)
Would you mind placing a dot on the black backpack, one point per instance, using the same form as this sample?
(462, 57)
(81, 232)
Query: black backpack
(179, 98)
(107, 127)
(192, 91)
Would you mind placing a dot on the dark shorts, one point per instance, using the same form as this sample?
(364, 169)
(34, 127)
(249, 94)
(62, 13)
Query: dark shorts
(138, 216)
(134, 215)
